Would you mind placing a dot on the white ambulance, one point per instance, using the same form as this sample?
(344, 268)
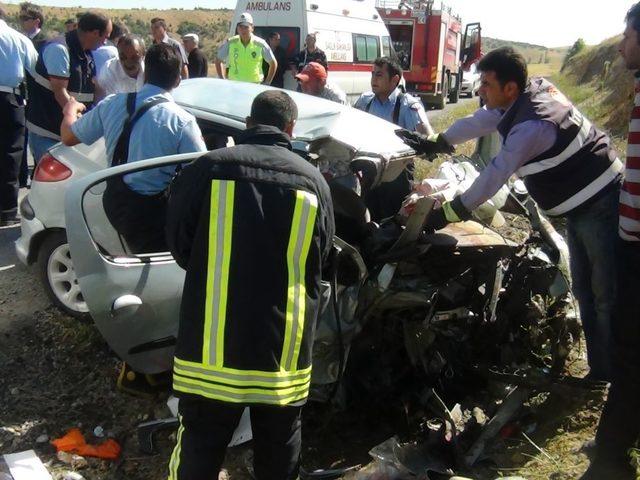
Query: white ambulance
(350, 32)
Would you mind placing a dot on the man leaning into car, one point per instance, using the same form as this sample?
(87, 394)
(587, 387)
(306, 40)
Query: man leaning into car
(253, 226)
(156, 127)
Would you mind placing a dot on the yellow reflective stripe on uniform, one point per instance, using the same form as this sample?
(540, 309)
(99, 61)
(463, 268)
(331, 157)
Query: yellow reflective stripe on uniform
(227, 376)
(220, 229)
(240, 395)
(309, 218)
(174, 463)
(304, 216)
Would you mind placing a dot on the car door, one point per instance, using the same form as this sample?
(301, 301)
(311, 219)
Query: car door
(133, 297)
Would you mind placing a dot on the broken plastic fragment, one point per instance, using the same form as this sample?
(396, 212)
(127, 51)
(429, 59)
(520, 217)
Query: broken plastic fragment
(74, 442)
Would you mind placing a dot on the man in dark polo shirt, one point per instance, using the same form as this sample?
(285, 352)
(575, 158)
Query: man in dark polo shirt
(198, 65)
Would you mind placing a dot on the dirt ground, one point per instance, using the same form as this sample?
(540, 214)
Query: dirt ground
(57, 373)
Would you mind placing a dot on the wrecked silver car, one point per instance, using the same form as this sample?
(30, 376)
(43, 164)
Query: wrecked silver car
(410, 312)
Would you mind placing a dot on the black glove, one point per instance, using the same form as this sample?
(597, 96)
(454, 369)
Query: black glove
(450, 212)
(436, 220)
(423, 144)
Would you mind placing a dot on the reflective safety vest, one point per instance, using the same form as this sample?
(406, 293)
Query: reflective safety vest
(253, 288)
(245, 63)
(578, 167)
(43, 113)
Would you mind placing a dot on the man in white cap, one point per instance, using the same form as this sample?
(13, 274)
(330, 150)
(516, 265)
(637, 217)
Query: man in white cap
(243, 55)
(198, 64)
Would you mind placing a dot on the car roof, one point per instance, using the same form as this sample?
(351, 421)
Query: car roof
(317, 118)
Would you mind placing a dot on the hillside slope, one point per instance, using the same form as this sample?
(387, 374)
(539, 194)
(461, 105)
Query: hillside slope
(212, 25)
(532, 53)
(598, 82)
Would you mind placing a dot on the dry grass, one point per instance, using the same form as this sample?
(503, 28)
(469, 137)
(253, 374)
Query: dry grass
(440, 122)
(543, 69)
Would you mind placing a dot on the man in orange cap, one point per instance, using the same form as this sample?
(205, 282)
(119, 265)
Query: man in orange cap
(313, 81)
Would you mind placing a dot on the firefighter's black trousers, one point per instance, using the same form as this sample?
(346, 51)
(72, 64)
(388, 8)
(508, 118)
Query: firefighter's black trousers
(11, 147)
(206, 428)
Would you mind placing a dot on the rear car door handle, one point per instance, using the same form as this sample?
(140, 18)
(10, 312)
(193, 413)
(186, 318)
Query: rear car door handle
(129, 302)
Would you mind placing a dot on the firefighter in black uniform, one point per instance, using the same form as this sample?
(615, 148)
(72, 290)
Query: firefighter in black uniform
(252, 225)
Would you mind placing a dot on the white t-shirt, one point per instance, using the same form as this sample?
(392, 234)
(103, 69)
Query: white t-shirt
(113, 79)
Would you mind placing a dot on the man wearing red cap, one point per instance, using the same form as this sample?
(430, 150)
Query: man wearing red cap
(313, 81)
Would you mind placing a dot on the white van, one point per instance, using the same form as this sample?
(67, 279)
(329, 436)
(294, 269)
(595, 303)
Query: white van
(350, 32)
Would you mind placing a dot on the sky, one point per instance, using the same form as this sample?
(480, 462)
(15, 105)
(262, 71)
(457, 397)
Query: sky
(551, 23)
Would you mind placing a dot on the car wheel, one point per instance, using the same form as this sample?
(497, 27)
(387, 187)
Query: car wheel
(58, 276)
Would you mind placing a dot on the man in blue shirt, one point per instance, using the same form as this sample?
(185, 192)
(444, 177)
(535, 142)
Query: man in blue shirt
(17, 53)
(135, 204)
(389, 103)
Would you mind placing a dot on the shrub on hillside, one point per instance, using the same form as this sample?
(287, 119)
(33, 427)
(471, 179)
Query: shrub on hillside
(575, 49)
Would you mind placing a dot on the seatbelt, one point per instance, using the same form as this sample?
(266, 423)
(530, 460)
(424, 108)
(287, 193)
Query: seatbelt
(396, 109)
(121, 152)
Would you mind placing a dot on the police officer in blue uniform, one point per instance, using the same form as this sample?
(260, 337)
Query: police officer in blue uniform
(387, 101)
(17, 53)
(65, 69)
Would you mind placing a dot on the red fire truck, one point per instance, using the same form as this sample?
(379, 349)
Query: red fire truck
(431, 48)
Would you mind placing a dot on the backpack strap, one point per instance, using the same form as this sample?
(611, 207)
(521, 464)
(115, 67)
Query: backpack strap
(131, 103)
(396, 108)
(121, 152)
(368, 107)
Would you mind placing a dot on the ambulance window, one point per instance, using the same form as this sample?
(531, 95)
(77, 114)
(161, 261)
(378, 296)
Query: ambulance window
(289, 38)
(367, 48)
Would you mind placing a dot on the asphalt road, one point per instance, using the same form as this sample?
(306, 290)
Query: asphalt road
(21, 294)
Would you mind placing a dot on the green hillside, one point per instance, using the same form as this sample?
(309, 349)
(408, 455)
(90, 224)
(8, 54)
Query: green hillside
(597, 80)
(541, 60)
(212, 25)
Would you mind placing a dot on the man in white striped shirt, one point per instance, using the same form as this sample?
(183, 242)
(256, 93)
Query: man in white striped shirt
(619, 426)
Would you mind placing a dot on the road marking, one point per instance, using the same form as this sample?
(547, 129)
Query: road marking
(6, 267)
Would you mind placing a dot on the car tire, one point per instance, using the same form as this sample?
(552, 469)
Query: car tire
(441, 101)
(58, 277)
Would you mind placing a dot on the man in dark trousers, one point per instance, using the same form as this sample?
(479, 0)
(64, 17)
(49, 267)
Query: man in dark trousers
(252, 225)
(32, 22)
(64, 69)
(310, 53)
(16, 54)
(619, 426)
(198, 64)
(281, 57)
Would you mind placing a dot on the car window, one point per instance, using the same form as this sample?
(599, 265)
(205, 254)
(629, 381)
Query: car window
(119, 231)
(217, 136)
